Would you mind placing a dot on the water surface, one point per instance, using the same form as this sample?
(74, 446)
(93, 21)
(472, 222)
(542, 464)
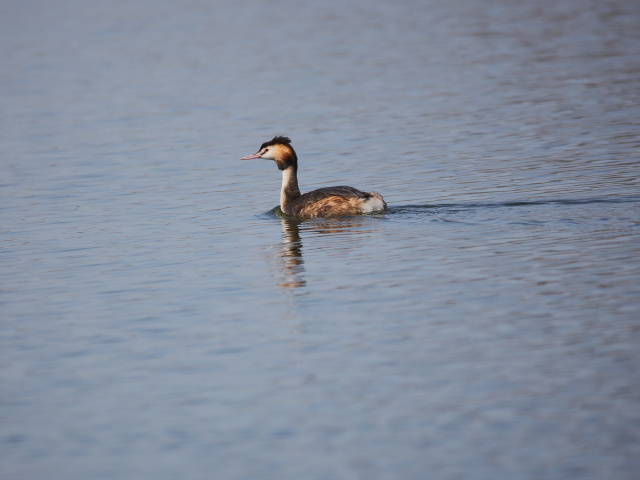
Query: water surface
(160, 320)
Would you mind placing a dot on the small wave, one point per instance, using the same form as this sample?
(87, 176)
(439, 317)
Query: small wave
(511, 203)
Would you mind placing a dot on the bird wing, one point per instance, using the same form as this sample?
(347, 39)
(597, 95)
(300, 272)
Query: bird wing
(341, 191)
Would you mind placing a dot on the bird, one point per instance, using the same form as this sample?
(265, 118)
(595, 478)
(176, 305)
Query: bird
(320, 203)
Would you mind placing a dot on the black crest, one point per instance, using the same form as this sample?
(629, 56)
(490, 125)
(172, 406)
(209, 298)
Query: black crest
(277, 140)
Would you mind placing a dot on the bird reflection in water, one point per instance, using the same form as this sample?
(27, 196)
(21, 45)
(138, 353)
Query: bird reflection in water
(290, 257)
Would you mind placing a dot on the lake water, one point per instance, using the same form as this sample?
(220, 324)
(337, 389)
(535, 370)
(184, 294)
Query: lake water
(160, 320)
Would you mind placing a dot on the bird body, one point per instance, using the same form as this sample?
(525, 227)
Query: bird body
(323, 202)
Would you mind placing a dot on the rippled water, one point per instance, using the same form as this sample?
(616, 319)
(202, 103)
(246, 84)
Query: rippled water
(161, 320)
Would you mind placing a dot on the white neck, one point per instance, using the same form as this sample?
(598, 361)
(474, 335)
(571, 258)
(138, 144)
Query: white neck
(286, 180)
(289, 191)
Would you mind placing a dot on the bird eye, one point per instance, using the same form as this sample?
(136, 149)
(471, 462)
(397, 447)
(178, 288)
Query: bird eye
(266, 150)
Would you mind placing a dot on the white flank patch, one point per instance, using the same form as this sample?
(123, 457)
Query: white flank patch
(372, 204)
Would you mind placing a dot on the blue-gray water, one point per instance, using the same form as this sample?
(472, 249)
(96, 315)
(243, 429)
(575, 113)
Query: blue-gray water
(160, 321)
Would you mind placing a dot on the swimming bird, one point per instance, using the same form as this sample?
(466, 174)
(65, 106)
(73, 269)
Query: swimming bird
(323, 202)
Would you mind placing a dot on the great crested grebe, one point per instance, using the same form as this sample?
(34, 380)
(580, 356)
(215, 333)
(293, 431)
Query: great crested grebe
(323, 202)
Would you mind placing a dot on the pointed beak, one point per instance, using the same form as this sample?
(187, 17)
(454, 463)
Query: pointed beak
(249, 157)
